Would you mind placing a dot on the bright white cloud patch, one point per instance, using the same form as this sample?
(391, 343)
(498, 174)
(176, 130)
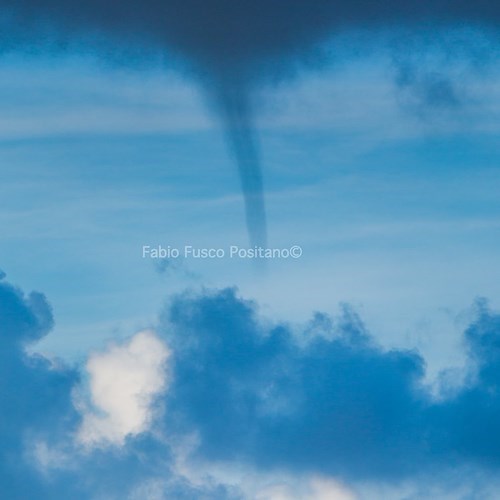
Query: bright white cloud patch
(124, 381)
(329, 489)
(319, 488)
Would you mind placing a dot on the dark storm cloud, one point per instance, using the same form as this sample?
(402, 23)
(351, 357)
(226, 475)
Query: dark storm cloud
(338, 404)
(231, 44)
(234, 36)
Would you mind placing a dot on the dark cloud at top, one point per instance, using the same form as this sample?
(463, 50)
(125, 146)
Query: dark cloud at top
(338, 404)
(230, 36)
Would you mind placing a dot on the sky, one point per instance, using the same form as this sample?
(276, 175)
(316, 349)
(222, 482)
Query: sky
(365, 368)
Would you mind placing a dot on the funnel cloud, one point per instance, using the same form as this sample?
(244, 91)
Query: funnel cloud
(235, 43)
(235, 110)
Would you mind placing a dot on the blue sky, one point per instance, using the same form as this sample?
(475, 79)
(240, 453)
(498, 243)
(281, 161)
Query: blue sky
(390, 188)
(395, 208)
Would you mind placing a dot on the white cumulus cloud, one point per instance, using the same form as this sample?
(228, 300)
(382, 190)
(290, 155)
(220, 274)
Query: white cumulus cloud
(123, 383)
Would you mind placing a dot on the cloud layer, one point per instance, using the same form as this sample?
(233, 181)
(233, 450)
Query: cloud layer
(333, 402)
(226, 37)
(238, 392)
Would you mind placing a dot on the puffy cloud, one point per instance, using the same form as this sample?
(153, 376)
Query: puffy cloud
(35, 393)
(37, 418)
(269, 414)
(124, 382)
(39, 456)
(338, 404)
(469, 423)
(335, 404)
(24, 318)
